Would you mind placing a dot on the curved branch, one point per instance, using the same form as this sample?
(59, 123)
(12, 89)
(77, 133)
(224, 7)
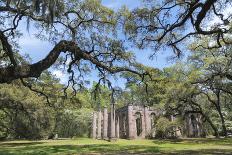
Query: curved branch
(201, 15)
(7, 74)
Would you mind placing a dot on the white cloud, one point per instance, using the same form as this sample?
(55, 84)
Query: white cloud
(113, 5)
(68, 61)
(58, 73)
(36, 48)
(215, 20)
(61, 75)
(28, 40)
(116, 4)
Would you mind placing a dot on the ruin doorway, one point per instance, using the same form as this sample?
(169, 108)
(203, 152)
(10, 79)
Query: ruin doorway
(153, 120)
(124, 126)
(138, 117)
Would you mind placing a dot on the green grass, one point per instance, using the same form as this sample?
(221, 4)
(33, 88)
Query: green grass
(89, 146)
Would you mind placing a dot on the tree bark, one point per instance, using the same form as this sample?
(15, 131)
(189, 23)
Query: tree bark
(216, 133)
(218, 107)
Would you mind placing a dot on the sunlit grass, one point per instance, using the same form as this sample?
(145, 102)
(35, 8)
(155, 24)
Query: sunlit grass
(90, 146)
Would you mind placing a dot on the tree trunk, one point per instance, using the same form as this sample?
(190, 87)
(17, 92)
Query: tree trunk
(216, 133)
(218, 107)
(224, 130)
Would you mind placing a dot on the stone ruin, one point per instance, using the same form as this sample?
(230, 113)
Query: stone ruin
(133, 121)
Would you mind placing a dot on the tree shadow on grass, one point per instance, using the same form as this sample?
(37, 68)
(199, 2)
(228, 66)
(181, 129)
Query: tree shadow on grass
(107, 149)
(216, 141)
(34, 148)
(18, 144)
(80, 149)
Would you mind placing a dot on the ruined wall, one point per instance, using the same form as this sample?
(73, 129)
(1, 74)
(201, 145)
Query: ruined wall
(134, 121)
(122, 114)
(128, 121)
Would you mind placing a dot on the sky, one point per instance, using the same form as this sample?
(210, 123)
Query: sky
(39, 49)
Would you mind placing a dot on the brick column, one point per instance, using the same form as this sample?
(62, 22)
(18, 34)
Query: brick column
(105, 123)
(99, 125)
(112, 122)
(147, 121)
(143, 134)
(190, 127)
(117, 127)
(131, 123)
(94, 126)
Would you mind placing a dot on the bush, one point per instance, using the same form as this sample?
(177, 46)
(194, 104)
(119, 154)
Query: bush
(165, 128)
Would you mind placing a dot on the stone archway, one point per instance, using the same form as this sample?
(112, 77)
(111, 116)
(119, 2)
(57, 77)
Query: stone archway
(138, 121)
(123, 126)
(153, 119)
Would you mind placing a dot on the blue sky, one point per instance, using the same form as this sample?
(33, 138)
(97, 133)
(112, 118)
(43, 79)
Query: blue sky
(39, 49)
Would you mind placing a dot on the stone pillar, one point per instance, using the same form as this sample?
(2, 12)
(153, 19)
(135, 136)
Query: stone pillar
(94, 122)
(190, 127)
(186, 126)
(117, 127)
(112, 122)
(143, 126)
(147, 121)
(99, 125)
(105, 123)
(131, 123)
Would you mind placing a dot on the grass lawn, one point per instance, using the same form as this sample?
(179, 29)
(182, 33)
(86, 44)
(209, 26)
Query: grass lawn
(89, 146)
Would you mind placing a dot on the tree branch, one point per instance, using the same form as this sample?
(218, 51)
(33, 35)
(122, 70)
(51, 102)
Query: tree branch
(7, 74)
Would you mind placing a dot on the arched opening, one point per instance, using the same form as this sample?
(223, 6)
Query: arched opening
(153, 120)
(124, 120)
(138, 117)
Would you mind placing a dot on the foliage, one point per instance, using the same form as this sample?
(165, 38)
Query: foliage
(84, 34)
(158, 24)
(23, 113)
(27, 114)
(165, 128)
(145, 92)
(74, 123)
